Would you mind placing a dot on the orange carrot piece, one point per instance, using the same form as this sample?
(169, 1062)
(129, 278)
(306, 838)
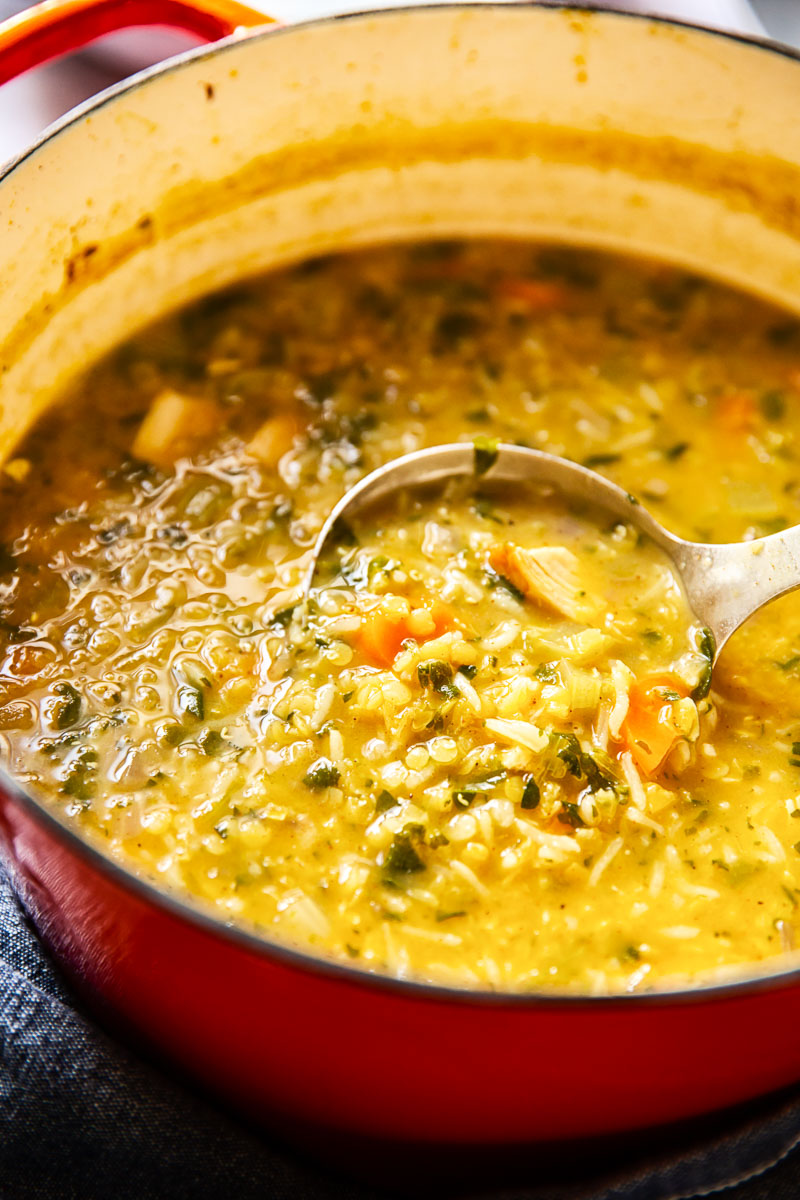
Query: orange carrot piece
(444, 617)
(382, 634)
(381, 637)
(537, 295)
(737, 412)
(649, 739)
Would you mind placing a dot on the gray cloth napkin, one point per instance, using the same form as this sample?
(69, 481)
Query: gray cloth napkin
(86, 1118)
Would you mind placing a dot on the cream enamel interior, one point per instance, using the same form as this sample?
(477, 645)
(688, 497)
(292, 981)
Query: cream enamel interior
(349, 131)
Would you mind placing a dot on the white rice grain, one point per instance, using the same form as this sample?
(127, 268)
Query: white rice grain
(657, 878)
(469, 877)
(468, 692)
(555, 841)
(431, 935)
(610, 852)
(640, 818)
(504, 634)
(633, 780)
(775, 851)
(521, 733)
(306, 916)
(336, 743)
(622, 678)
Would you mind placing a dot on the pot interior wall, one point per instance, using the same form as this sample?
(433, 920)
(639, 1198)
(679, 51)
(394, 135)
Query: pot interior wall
(493, 119)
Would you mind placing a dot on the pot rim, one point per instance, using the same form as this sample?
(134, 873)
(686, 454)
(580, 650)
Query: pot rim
(745, 983)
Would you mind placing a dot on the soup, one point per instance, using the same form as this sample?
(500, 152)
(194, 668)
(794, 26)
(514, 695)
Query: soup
(489, 750)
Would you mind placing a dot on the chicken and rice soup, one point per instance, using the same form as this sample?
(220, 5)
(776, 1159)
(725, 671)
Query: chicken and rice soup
(489, 749)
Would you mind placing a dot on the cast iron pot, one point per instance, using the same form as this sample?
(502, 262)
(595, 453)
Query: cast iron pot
(589, 127)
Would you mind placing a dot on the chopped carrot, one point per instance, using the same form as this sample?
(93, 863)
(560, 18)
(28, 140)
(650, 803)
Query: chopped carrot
(444, 617)
(382, 634)
(737, 412)
(536, 295)
(440, 268)
(649, 738)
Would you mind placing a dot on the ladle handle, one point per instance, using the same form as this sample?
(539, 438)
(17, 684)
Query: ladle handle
(729, 582)
(56, 27)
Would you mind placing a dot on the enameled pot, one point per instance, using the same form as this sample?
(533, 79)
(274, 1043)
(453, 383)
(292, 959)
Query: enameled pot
(591, 127)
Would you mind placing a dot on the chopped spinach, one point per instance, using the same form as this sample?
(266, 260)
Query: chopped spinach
(479, 784)
(66, 710)
(322, 774)
(676, 451)
(283, 616)
(547, 672)
(773, 404)
(485, 450)
(570, 814)
(452, 328)
(494, 580)
(191, 701)
(385, 801)
(211, 742)
(80, 777)
(401, 857)
(601, 460)
(438, 676)
(530, 793)
(706, 647)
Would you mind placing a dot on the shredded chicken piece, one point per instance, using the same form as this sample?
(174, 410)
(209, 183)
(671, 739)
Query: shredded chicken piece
(548, 575)
(175, 425)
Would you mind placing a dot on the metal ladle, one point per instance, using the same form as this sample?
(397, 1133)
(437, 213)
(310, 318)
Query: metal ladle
(724, 583)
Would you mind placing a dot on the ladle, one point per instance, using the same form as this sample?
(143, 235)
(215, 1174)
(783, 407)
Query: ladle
(725, 583)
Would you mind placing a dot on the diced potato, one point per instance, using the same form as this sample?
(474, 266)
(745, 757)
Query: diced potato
(548, 575)
(18, 469)
(176, 425)
(272, 439)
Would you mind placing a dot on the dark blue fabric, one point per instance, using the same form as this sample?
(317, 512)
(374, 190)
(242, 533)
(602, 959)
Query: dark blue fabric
(85, 1118)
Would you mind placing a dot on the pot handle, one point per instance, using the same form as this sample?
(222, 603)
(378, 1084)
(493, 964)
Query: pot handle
(56, 27)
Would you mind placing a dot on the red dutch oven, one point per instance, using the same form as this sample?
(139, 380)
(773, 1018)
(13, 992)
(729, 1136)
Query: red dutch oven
(590, 127)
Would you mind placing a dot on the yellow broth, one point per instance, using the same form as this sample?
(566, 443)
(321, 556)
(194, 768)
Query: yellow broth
(485, 752)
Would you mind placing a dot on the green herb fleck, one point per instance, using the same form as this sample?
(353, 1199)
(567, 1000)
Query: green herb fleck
(438, 676)
(80, 777)
(191, 701)
(480, 784)
(493, 580)
(676, 451)
(485, 451)
(322, 774)
(547, 672)
(211, 742)
(706, 647)
(531, 794)
(601, 460)
(402, 858)
(384, 801)
(283, 616)
(66, 710)
(773, 404)
(571, 814)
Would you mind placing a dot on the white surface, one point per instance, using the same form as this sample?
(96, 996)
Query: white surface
(29, 104)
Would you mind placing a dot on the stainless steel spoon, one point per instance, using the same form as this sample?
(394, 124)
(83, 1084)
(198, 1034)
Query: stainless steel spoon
(724, 583)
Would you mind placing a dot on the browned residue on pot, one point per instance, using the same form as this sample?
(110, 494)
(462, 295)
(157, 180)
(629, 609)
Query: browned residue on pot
(769, 188)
